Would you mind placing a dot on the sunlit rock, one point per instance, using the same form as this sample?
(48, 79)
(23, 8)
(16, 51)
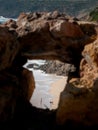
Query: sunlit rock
(78, 102)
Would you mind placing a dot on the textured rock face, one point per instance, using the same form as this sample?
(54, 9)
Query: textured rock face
(55, 36)
(57, 67)
(49, 36)
(8, 48)
(78, 102)
(13, 86)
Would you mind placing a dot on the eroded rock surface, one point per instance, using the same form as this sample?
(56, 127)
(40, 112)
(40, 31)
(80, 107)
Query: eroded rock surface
(53, 36)
(78, 102)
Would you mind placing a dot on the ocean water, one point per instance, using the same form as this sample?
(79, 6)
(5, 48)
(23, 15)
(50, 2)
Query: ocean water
(3, 19)
(41, 97)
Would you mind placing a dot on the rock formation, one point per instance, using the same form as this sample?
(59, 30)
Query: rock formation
(57, 67)
(53, 36)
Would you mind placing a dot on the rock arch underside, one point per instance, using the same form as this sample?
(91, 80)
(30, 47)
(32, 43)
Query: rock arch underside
(48, 35)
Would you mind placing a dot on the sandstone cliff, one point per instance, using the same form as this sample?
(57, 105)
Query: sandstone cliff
(51, 36)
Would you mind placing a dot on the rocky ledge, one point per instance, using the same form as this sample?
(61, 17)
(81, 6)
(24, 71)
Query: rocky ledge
(54, 36)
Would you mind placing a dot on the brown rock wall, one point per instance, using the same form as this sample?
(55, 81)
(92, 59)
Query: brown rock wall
(53, 36)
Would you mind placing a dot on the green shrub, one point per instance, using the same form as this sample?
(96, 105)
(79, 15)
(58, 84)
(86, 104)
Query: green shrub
(94, 14)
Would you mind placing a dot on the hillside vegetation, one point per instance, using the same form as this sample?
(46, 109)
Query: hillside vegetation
(93, 16)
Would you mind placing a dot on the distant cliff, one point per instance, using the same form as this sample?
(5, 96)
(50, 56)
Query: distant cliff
(13, 8)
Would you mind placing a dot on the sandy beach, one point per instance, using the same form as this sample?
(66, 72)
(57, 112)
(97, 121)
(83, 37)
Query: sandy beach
(47, 91)
(56, 88)
(48, 87)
